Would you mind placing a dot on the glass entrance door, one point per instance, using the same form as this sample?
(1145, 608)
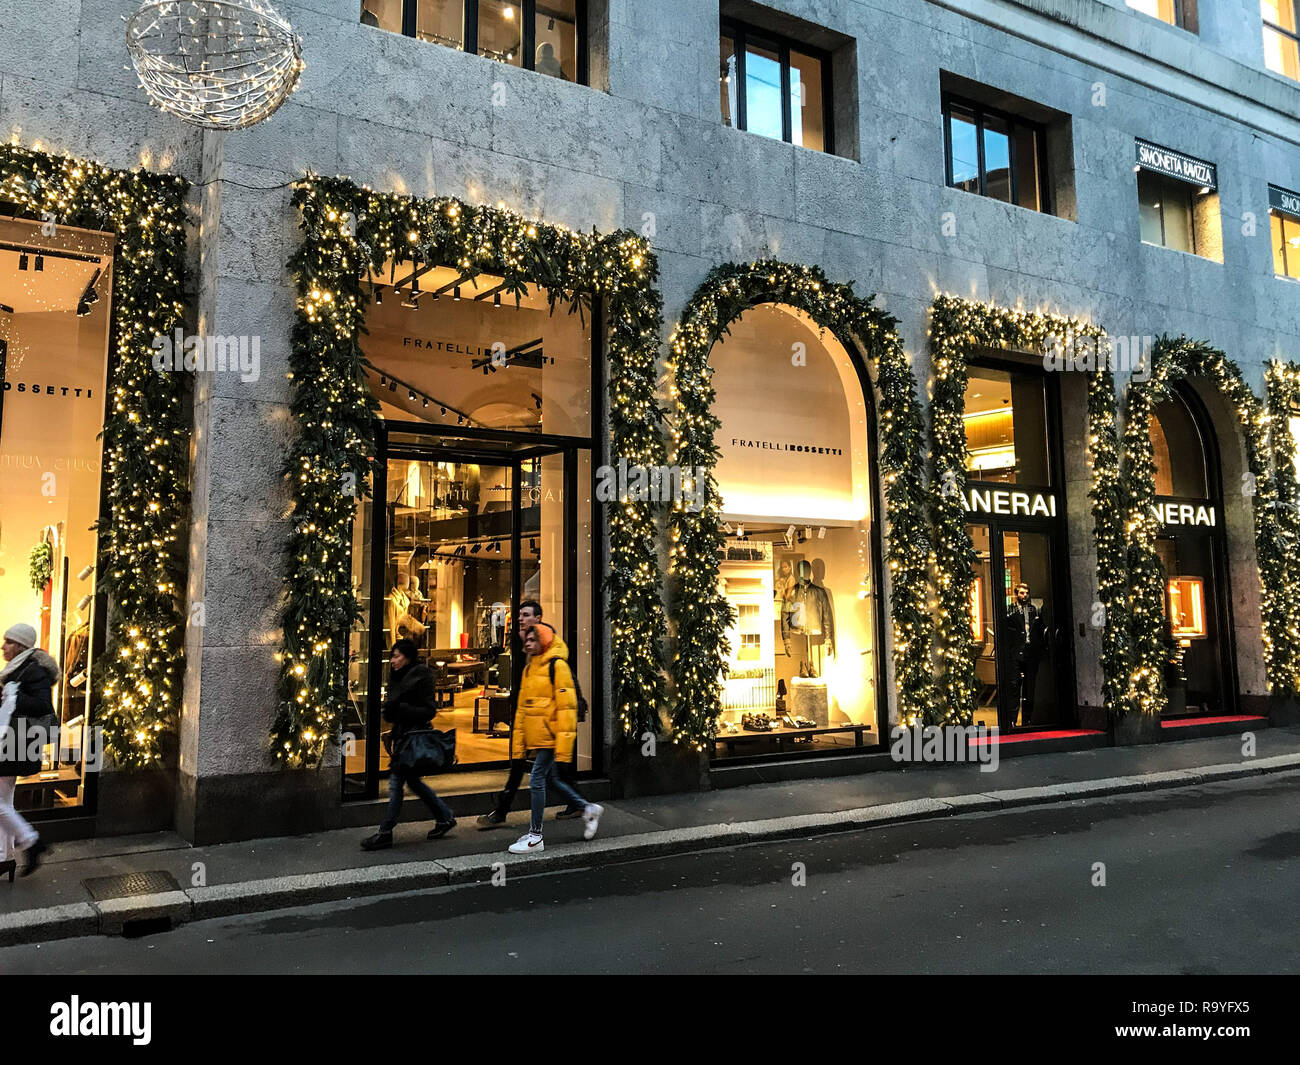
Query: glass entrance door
(1021, 666)
(456, 535)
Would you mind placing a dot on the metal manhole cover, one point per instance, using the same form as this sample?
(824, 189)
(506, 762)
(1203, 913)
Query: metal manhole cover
(126, 885)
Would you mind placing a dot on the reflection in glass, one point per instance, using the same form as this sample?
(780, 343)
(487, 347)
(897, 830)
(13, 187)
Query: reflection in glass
(1194, 681)
(727, 81)
(962, 136)
(1165, 211)
(1178, 451)
(1286, 245)
(1006, 427)
(440, 21)
(384, 14)
(997, 158)
(763, 91)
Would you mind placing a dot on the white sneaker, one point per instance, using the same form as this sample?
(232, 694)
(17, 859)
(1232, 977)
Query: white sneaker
(591, 818)
(528, 843)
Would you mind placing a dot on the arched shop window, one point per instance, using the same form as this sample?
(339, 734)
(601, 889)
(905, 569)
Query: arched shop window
(481, 498)
(795, 473)
(1193, 552)
(1016, 520)
(55, 296)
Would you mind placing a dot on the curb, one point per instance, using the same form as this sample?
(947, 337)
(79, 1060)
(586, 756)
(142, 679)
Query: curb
(116, 916)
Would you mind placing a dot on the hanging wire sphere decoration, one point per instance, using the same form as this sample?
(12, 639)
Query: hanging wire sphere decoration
(220, 64)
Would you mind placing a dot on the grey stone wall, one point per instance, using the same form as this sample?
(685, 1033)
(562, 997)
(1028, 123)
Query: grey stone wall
(647, 138)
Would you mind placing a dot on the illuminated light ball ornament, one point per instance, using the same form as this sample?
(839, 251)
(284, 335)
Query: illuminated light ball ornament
(219, 64)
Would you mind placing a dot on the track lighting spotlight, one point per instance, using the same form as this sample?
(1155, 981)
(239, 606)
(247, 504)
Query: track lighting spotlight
(40, 262)
(22, 261)
(455, 294)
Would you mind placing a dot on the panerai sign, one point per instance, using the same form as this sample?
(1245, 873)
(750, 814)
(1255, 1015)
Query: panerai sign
(1006, 501)
(1186, 514)
(1176, 165)
(1284, 201)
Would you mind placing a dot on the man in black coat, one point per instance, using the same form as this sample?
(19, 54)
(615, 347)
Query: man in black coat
(409, 705)
(25, 704)
(1026, 640)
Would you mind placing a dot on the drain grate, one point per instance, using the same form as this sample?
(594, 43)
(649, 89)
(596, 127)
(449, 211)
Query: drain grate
(127, 885)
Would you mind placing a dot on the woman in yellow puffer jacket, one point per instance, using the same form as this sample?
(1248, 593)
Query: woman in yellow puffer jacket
(545, 728)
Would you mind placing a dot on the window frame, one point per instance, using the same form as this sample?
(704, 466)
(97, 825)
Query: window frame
(1180, 14)
(528, 35)
(949, 100)
(1286, 220)
(1293, 35)
(738, 32)
(1167, 183)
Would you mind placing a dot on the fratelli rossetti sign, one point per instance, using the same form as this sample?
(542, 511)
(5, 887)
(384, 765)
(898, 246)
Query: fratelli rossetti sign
(784, 445)
(1176, 165)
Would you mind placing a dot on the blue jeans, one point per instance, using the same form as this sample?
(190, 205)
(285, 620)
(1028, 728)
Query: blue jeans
(545, 774)
(396, 786)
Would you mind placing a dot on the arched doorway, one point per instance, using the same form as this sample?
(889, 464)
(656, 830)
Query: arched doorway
(1192, 548)
(800, 560)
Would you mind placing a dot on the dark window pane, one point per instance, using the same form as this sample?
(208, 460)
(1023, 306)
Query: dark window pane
(763, 92)
(1149, 202)
(556, 37)
(383, 14)
(500, 26)
(440, 21)
(1178, 451)
(965, 150)
(1006, 427)
(1028, 167)
(728, 87)
(997, 158)
(807, 121)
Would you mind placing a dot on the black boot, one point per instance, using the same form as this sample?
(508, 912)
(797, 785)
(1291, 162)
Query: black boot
(378, 842)
(32, 858)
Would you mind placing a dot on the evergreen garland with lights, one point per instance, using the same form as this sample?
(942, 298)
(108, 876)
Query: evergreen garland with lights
(351, 230)
(698, 608)
(142, 562)
(1282, 383)
(1174, 359)
(959, 331)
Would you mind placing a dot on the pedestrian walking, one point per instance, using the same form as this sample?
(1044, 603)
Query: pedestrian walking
(409, 706)
(546, 729)
(25, 703)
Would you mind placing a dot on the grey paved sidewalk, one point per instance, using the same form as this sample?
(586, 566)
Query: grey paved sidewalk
(264, 874)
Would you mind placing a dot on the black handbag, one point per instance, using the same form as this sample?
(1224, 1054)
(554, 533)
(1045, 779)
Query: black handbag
(426, 750)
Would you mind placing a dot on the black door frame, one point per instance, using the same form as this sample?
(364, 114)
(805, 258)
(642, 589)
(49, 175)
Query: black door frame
(526, 448)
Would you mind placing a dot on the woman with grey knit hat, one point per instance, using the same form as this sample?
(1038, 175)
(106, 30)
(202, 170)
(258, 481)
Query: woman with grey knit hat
(25, 702)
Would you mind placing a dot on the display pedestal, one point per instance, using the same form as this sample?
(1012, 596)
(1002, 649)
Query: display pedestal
(808, 698)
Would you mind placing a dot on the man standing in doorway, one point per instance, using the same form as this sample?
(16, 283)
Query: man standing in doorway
(1026, 639)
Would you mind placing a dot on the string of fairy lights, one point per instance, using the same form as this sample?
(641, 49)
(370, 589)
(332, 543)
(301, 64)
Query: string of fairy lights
(349, 232)
(146, 434)
(698, 607)
(1282, 390)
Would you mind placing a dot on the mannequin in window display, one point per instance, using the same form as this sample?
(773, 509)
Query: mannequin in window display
(784, 583)
(1026, 636)
(808, 622)
(404, 604)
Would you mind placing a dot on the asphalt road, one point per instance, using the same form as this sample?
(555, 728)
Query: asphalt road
(1194, 881)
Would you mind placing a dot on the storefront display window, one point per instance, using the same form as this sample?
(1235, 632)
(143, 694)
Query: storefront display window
(1192, 552)
(798, 564)
(481, 499)
(55, 297)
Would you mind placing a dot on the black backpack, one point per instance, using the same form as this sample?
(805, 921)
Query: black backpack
(582, 702)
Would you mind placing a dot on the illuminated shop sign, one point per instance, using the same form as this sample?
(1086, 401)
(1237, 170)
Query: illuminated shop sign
(1192, 514)
(1284, 201)
(1007, 502)
(1176, 165)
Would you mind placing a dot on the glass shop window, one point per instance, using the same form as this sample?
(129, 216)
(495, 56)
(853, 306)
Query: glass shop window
(547, 36)
(1286, 245)
(1006, 427)
(1281, 37)
(1165, 212)
(774, 87)
(1179, 451)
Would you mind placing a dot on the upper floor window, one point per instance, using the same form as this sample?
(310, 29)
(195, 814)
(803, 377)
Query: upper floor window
(548, 36)
(1165, 212)
(995, 154)
(1175, 12)
(775, 87)
(1284, 224)
(1281, 37)
(1178, 201)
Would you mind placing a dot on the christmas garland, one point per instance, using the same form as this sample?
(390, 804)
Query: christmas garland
(1172, 361)
(1282, 386)
(348, 231)
(146, 433)
(40, 565)
(959, 330)
(698, 609)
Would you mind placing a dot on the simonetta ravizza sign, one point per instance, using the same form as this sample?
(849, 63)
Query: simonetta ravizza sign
(1176, 165)
(1285, 201)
